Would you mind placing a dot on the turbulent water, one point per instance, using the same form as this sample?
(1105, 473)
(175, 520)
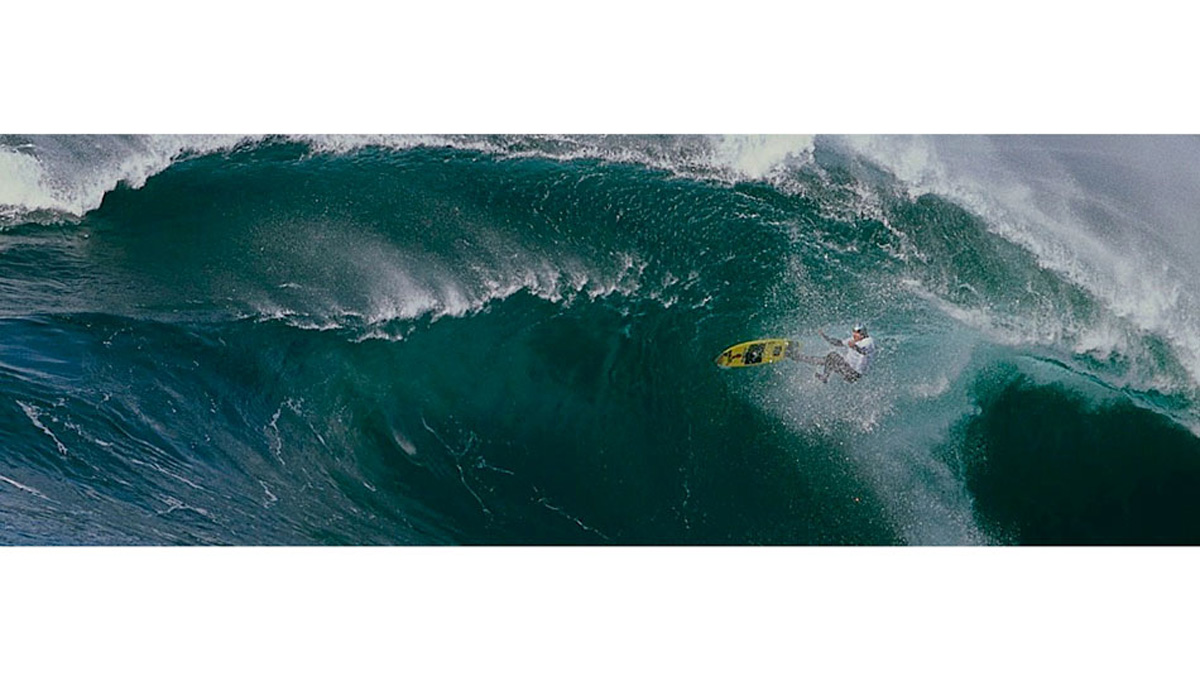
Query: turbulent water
(510, 340)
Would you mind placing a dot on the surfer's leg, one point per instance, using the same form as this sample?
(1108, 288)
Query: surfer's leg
(832, 362)
(837, 364)
(828, 361)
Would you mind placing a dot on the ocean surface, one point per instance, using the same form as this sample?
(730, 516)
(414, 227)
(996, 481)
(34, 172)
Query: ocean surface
(396, 340)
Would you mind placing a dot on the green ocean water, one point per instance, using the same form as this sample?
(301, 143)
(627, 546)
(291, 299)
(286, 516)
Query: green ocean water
(509, 340)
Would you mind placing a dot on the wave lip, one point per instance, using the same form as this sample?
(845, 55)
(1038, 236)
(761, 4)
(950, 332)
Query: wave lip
(1101, 213)
(69, 175)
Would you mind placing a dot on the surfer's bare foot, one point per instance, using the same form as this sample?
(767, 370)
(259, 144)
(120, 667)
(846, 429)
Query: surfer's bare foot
(821, 377)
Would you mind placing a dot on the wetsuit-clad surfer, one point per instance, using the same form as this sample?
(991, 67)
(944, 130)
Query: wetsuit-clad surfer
(860, 353)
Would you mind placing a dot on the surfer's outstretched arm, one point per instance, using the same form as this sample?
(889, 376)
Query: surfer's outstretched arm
(831, 341)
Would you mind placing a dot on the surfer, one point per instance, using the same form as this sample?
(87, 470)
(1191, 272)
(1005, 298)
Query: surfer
(851, 367)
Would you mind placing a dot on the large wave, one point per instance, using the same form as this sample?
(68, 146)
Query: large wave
(508, 339)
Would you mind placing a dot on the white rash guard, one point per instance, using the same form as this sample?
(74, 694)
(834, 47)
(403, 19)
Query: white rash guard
(858, 361)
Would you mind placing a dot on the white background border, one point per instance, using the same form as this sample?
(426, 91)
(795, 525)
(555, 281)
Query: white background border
(723, 620)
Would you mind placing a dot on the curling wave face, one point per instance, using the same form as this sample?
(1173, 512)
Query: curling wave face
(508, 339)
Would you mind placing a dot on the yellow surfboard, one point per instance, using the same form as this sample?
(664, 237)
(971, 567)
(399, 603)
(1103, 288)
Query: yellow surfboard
(756, 352)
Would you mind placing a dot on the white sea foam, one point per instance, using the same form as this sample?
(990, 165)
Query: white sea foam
(22, 487)
(746, 156)
(71, 174)
(396, 297)
(21, 185)
(890, 422)
(757, 156)
(34, 414)
(1090, 210)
